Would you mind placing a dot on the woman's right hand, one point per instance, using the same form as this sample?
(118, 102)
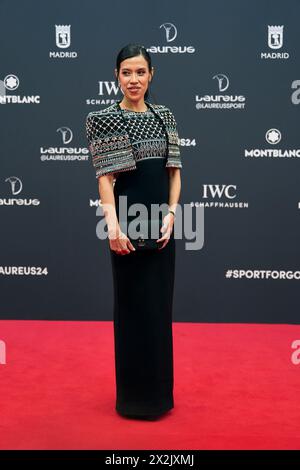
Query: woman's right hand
(120, 243)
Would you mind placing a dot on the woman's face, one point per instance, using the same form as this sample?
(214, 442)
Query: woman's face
(134, 77)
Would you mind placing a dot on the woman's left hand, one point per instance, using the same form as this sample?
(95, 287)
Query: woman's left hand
(168, 222)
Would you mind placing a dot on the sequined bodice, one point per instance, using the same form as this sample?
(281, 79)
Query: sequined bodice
(146, 133)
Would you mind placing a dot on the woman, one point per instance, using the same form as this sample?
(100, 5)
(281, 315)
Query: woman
(135, 152)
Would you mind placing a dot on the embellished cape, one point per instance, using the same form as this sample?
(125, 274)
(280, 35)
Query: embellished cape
(110, 145)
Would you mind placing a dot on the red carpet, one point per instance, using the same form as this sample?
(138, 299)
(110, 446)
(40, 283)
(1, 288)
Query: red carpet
(236, 387)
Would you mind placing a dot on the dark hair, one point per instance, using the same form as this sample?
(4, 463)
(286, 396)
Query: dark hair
(133, 50)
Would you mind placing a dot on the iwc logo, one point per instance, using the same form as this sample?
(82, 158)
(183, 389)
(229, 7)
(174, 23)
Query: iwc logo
(107, 92)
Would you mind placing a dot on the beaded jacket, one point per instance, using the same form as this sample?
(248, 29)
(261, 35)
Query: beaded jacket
(110, 145)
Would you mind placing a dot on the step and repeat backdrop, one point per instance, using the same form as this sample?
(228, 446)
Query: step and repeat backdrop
(230, 73)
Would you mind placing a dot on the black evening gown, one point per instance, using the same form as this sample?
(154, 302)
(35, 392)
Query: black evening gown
(144, 284)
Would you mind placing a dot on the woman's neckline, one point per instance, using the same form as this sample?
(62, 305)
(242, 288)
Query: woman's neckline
(133, 111)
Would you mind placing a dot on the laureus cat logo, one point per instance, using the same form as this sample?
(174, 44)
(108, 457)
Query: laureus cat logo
(223, 81)
(66, 133)
(16, 184)
(171, 31)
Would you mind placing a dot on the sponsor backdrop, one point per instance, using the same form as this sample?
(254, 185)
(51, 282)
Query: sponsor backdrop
(229, 71)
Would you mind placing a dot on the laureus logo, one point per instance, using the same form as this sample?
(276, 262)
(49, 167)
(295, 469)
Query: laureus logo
(16, 186)
(170, 33)
(223, 81)
(65, 152)
(220, 101)
(66, 134)
(170, 30)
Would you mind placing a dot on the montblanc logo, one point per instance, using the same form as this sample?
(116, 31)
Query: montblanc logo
(273, 137)
(222, 196)
(275, 42)
(63, 41)
(11, 83)
(220, 101)
(16, 186)
(170, 33)
(295, 97)
(65, 153)
(107, 92)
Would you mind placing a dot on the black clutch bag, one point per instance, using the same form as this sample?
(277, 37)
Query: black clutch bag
(144, 234)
